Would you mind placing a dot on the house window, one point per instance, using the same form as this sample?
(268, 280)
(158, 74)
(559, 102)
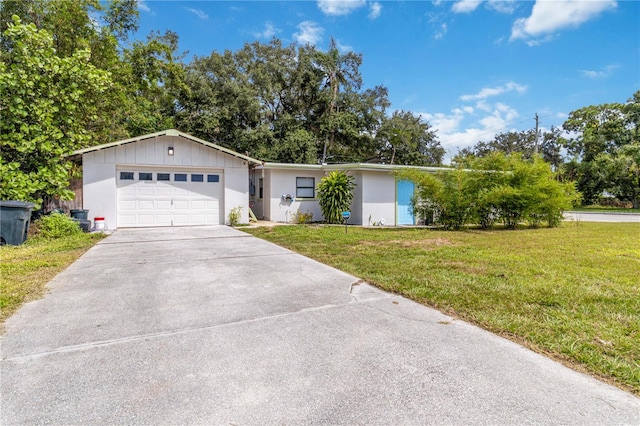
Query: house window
(180, 177)
(260, 186)
(145, 176)
(305, 187)
(197, 178)
(213, 178)
(126, 175)
(164, 176)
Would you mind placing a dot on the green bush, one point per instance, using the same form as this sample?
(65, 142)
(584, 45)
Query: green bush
(496, 187)
(234, 216)
(303, 218)
(57, 225)
(335, 192)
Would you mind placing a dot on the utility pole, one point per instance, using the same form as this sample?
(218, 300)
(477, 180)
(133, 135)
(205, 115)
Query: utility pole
(536, 146)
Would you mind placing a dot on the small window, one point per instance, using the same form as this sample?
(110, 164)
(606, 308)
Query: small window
(145, 176)
(180, 177)
(213, 178)
(260, 186)
(164, 176)
(305, 187)
(126, 175)
(197, 178)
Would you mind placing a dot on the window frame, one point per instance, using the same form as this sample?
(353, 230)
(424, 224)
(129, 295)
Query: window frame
(148, 176)
(306, 187)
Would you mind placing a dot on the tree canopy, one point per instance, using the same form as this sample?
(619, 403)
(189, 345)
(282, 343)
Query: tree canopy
(278, 102)
(47, 105)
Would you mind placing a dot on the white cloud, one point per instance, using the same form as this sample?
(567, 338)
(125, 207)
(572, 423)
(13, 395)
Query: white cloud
(269, 31)
(310, 33)
(483, 106)
(375, 9)
(445, 124)
(502, 6)
(143, 6)
(549, 17)
(465, 6)
(339, 7)
(441, 32)
(603, 73)
(465, 126)
(488, 92)
(199, 13)
(343, 48)
(501, 116)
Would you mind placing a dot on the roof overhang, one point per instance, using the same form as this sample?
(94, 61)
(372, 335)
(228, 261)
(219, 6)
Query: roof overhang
(169, 132)
(352, 167)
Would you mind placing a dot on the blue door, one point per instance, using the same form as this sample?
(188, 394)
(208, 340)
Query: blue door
(405, 192)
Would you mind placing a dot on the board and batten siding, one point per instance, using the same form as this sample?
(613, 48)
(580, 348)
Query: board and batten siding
(100, 167)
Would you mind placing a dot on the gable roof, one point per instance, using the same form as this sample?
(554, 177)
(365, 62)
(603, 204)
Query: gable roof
(168, 132)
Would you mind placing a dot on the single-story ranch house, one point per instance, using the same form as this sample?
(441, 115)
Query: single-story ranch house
(170, 178)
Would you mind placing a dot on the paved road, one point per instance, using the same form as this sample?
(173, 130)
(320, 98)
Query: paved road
(212, 326)
(602, 217)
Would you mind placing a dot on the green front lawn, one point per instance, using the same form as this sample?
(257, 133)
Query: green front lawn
(26, 269)
(572, 293)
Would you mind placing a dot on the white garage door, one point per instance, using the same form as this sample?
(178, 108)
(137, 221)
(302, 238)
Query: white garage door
(169, 197)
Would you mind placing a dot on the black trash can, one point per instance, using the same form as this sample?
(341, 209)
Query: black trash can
(14, 222)
(85, 225)
(79, 214)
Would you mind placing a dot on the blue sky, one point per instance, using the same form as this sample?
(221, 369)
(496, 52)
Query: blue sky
(471, 68)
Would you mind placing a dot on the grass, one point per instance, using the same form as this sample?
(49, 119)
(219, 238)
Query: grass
(572, 293)
(26, 269)
(604, 209)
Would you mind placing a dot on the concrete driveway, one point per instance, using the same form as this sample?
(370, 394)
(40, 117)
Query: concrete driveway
(212, 326)
(601, 217)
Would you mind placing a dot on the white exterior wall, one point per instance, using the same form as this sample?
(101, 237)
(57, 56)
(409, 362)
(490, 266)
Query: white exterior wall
(282, 182)
(99, 191)
(236, 192)
(378, 197)
(356, 203)
(99, 172)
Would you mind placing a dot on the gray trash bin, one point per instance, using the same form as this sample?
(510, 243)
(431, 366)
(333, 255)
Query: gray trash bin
(79, 214)
(14, 222)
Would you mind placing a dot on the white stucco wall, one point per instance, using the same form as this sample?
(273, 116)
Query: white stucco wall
(282, 182)
(99, 172)
(378, 197)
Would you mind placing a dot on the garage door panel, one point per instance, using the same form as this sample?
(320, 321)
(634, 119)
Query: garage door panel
(163, 204)
(163, 219)
(181, 205)
(146, 204)
(198, 204)
(181, 219)
(168, 203)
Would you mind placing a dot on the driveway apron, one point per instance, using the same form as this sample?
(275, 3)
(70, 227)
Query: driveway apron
(209, 325)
